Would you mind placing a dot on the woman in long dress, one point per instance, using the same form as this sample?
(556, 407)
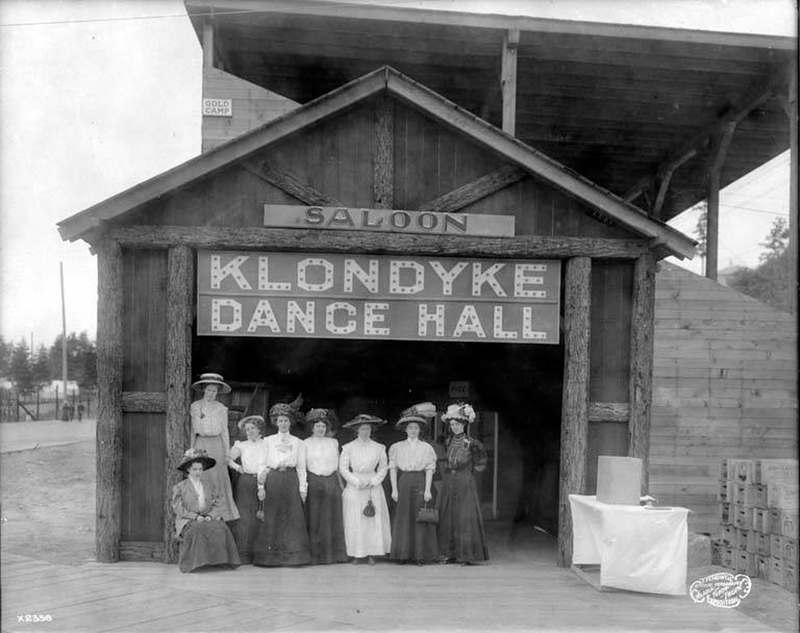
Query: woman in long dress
(363, 465)
(251, 454)
(461, 534)
(324, 501)
(204, 539)
(282, 538)
(411, 466)
(210, 433)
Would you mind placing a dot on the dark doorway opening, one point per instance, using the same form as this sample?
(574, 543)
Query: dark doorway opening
(521, 383)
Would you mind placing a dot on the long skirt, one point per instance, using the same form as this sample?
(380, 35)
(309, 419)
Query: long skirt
(206, 543)
(282, 538)
(363, 535)
(218, 476)
(245, 530)
(412, 540)
(324, 519)
(461, 533)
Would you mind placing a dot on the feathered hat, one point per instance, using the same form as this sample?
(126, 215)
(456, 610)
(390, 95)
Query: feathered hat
(290, 409)
(328, 416)
(196, 455)
(420, 413)
(460, 411)
(363, 418)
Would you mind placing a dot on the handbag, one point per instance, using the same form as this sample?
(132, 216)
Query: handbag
(428, 515)
(369, 509)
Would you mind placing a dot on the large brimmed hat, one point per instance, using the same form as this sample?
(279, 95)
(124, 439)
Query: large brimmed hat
(211, 379)
(289, 409)
(460, 411)
(420, 413)
(328, 416)
(363, 418)
(258, 420)
(196, 455)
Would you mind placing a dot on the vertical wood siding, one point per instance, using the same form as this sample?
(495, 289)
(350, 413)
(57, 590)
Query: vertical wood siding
(724, 386)
(143, 441)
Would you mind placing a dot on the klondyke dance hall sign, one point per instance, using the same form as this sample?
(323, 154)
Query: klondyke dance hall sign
(412, 298)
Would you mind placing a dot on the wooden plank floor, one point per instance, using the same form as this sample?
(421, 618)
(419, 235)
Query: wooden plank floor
(520, 589)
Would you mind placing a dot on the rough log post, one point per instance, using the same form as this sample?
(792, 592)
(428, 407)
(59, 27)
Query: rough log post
(575, 403)
(790, 106)
(641, 376)
(508, 80)
(208, 45)
(108, 487)
(180, 273)
(721, 143)
(383, 166)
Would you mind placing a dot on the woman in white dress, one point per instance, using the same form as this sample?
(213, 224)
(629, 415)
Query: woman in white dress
(210, 433)
(251, 454)
(363, 464)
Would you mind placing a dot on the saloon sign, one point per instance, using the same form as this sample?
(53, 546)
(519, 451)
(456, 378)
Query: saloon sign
(323, 295)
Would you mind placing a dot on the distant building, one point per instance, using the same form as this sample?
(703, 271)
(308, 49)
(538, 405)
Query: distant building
(56, 387)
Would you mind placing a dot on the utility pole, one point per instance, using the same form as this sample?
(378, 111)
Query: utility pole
(63, 334)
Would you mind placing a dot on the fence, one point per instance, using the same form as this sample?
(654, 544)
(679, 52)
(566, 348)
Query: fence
(31, 405)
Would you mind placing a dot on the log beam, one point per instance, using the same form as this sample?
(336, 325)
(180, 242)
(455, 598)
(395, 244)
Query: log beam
(721, 144)
(258, 238)
(482, 187)
(508, 80)
(575, 399)
(640, 385)
(291, 184)
(108, 530)
(180, 306)
(144, 402)
(609, 411)
(383, 166)
(789, 102)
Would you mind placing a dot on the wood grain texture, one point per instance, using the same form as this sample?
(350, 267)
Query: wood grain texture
(467, 194)
(290, 183)
(609, 411)
(259, 238)
(575, 399)
(109, 407)
(641, 370)
(383, 161)
(144, 401)
(180, 308)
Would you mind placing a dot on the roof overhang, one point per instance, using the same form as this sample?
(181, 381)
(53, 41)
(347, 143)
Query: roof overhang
(384, 80)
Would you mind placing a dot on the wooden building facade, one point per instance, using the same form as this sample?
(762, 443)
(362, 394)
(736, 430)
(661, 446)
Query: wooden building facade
(381, 142)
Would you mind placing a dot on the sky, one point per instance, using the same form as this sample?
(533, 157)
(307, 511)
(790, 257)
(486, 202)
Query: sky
(99, 95)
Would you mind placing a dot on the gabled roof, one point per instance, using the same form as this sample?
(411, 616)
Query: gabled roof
(383, 80)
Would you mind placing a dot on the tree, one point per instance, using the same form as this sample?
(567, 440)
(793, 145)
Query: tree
(701, 229)
(81, 359)
(5, 357)
(20, 367)
(40, 368)
(768, 282)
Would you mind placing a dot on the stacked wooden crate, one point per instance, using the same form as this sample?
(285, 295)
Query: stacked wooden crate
(758, 515)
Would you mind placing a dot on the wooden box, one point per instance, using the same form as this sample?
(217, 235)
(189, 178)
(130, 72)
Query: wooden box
(762, 564)
(748, 541)
(722, 491)
(728, 557)
(743, 517)
(776, 571)
(788, 550)
(762, 543)
(761, 500)
(744, 495)
(775, 520)
(789, 523)
(761, 520)
(725, 517)
(745, 563)
(776, 545)
(717, 545)
(729, 535)
(790, 576)
(782, 495)
(742, 471)
(723, 469)
(768, 470)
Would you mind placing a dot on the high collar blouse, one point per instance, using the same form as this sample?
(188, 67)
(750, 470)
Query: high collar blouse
(322, 455)
(253, 454)
(209, 418)
(284, 450)
(362, 459)
(412, 455)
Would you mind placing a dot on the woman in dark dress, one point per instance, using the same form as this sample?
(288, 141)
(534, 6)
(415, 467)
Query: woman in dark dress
(251, 454)
(282, 485)
(324, 501)
(411, 466)
(204, 539)
(461, 535)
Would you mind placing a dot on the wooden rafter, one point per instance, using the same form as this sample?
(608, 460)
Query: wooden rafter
(508, 80)
(721, 144)
(290, 184)
(383, 166)
(758, 94)
(484, 186)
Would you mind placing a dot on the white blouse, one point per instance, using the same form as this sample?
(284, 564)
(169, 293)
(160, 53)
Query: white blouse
(364, 458)
(412, 455)
(253, 454)
(322, 455)
(284, 450)
(198, 488)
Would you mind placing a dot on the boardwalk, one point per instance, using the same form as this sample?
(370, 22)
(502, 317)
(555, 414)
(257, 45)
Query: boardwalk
(521, 589)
